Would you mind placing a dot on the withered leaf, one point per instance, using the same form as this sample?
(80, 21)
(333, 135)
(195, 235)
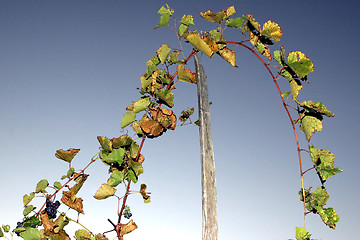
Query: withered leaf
(66, 155)
(69, 199)
(128, 228)
(150, 126)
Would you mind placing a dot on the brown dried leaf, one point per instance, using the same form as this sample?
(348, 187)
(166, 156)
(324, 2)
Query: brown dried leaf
(165, 117)
(66, 155)
(72, 201)
(128, 228)
(150, 126)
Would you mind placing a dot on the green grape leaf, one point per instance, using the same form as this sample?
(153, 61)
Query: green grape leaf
(323, 161)
(31, 221)
(30, 234)
(137, 168)
(199, 43)
(182, 30)
(151, 65)
(105, 143)
(82, 234)
(185, 75)
(143, 193)
(285, 94)
(235, 22)
(314, 200)
(187, 20)
(131, 176)
(166, 96)
(228, 55)
(41, 185)
(141, 104)
(218, 17)
(127, 119)
(309, 125)
(60, 223)
(122, 141)
(173, 57)
(166, 12)
(70, 172)
(300, 64)
(67, 155)
(163, 52)
(115, 178)
(27, 198)
(57, 185)
(329, 217)
(28, 209)
(215, 34)
(272, 30)
(316, 107)
(104, 191)
(302, 234)
(116, 156)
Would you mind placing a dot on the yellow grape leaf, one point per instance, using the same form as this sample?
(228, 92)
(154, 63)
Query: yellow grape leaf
(309, 125)
(66, 155)
(199, 43)
(185, 74)
(228, 55)
(295, 88)
(272, 30)
(104, 191)
(219, 16)
(163, 52)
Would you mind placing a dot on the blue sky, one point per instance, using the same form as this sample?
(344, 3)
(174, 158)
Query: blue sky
(70, 68)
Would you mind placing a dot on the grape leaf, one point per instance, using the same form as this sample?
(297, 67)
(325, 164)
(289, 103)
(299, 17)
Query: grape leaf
(141, 104)
(228, 55)
(166, 12)
(127, 119)
(235, 22)
(152, 127)
(163, 52)
(199, 43)
(215, 34)
(143, 193)
(309, 125)
(329, 217)
(27, 198)
(128, 227)
(82, 234)
(67, 155)
(218, 17)
(165, 117)
(115, 178)
(323, 161)
(300, 64)
(302, 234)
(166, 97)
(137, 168)
(131, 176)
(272, 30)
(136, 127)
(57, 185)
(80, 180)
(122, 141)
(116, 156)
(30, 234)
(6, 228)
(41, 185)
(28, 209)
(105, 143)
(173, 57)
(317, 107)
(185, 75)
(104, 191)
(69, 199)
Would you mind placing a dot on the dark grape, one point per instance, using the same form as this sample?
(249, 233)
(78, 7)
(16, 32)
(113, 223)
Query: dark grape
(51, 208)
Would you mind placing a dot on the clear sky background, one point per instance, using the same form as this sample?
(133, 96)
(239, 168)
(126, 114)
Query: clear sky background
(68, 69)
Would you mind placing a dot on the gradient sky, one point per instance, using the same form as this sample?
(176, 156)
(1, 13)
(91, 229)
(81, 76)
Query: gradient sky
(70, 68)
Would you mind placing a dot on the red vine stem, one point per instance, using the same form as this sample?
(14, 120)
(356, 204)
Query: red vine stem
(287, 111)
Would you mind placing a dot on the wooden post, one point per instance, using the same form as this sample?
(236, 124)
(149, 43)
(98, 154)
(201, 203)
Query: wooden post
(208, 179)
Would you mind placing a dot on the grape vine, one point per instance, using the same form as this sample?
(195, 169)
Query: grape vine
(151, 116)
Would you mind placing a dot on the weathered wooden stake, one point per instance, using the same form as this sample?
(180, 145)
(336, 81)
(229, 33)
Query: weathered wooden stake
(208, 179)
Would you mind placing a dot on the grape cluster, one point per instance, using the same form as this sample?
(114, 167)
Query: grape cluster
(127, 214)
(51, 208)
